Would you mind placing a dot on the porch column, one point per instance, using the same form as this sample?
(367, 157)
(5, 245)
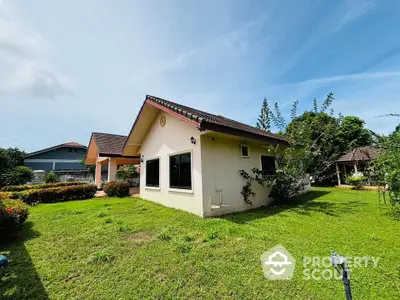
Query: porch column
(355, 167)
(338, 174)
(112, 169)
(97, 178)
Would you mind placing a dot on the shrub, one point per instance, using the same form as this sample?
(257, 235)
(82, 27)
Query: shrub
(116, 189)
(356, 181)
(18, 188)
(127, 172)
(18, 175)
(51, 177)
(13, 213)
(56, 194)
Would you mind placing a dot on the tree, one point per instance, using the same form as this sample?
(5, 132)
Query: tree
(127, 172)
(264, 119)
(9, 159)
(352, 134)
(19, 175)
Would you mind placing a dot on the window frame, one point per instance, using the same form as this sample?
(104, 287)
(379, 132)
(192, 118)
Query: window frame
(181, 190)
(152, 187)
(266, 155)
(248, 150)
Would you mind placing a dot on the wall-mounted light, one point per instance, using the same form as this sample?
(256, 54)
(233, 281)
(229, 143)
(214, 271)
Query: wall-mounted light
(193, 140)
(142, 158)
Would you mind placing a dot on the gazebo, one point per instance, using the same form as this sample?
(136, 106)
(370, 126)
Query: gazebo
(106, 149)
(357, 161)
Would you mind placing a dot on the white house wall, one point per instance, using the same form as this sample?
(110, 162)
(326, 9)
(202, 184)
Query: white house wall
(161, 142)
(221, 162)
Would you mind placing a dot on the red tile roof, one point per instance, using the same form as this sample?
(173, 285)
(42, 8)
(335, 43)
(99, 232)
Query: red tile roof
(216, 122)
(109, 144)
(359, 154)
(73, 144)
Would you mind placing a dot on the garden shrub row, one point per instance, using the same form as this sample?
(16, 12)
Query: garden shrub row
(13, 213)
(53, 194)
(18, 188)
(116, 189)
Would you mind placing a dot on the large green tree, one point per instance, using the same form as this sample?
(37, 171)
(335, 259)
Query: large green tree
(352, 134)
(11, 170)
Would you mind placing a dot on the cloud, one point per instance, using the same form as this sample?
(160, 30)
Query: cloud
(356, 9)
(24, 69)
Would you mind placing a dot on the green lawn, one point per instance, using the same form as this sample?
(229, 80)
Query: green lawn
(127, 248)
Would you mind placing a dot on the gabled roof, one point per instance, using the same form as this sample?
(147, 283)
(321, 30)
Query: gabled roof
(68, 144)
(207, 121)
(109, 144)
(359, 154)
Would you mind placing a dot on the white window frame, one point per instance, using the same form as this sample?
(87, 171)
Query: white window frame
(176, 190)
(248, 151)
(154, 188)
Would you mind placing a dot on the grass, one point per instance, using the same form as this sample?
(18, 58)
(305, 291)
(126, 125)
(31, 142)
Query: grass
(115, 248)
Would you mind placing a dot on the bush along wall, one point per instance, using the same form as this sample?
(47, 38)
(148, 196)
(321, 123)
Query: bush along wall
(116, 189)
(54, 194)
(18, 188)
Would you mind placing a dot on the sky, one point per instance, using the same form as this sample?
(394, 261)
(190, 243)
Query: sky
(68, 68)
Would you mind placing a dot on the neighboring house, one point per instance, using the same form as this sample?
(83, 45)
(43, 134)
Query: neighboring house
(62, 159)
(357, 162)
(191, 159)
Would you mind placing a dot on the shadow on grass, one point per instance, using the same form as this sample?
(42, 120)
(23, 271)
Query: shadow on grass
(19, 279)
(303, 205)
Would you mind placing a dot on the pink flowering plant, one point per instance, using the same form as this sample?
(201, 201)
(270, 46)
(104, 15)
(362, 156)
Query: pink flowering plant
(13, 213)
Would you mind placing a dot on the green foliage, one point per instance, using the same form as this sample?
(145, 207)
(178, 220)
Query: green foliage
(13, 213)
(51, 177)
(264, 119)
(127, 172)
(357, 182)
(352, 134)
(18, 188)
(18, 175)
(387, 167)
(289, 180)
(116, 189)
(9, 159)
(55, 194)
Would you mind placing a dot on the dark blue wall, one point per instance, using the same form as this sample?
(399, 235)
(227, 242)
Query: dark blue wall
(60, 153)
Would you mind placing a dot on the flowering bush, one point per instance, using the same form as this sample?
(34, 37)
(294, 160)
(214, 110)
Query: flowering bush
(18, 188)
(13, 213)
(55, 194)
(116, 189)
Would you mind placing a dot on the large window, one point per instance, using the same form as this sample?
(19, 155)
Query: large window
(268, 165)
(153, 172)
(180, 171)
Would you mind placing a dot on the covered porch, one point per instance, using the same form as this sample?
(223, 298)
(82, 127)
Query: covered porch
(105, 152)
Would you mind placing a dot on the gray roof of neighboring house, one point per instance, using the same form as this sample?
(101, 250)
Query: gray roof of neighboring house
(359, 154)
(68, 144)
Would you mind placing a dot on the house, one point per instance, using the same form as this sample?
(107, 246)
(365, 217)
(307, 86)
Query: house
(62, 159)
(357, 162)
(190, 159)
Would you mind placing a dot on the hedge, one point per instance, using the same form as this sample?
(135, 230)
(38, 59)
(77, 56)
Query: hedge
(18, 188)
(13, 213)
(116, 189)
(54, 194)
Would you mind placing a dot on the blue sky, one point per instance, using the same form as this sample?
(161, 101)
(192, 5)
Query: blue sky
(68, 68)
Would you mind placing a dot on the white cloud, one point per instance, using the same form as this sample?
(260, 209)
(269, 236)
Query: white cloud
(24, 69)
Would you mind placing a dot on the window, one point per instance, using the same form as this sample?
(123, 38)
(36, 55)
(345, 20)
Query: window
(153, 172)
(70, 149)
(180, 171)
(268, 165)
(244, 151)
(75, 150)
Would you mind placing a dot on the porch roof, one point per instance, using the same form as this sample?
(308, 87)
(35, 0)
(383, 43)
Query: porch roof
(360, 154)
